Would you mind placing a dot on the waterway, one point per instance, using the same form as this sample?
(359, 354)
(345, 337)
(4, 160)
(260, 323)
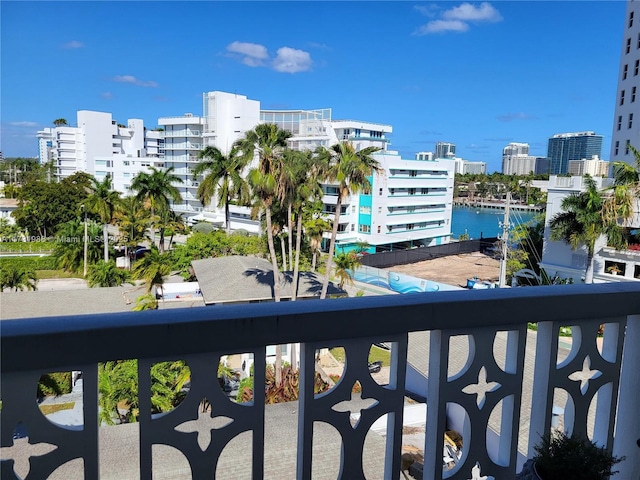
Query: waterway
(477, 222)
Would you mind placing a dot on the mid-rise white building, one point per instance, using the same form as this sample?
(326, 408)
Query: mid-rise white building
(626, 124)
(516, 159)
(445, 150)
(98, 145)
(594, 167)
(462, 167)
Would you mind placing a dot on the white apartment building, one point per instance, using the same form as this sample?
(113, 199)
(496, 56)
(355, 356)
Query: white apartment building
(626, 125)
(445, 150)
(98, 145)
(516, 159)
(424, 156)
(463, 167)
(594, 167)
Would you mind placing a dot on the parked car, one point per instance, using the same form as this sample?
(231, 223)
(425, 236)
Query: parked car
(375, 367)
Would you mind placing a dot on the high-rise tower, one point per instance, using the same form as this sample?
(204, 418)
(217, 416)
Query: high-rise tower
(564, 147)
(626, 120)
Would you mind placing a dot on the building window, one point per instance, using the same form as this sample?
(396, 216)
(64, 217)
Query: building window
(412, 191)
(425, 191)
(409, 226)
(617, 147)
(381, 191)
(364, 228)
(633, 94)
(619, 122)
(413, 173)
(622, 97)
(379, 209)
(630, 120)
(626, 147)
(353, 209)
(628, 45)
(631, 19)
(365, 210)
(378, 228)
(353, 227)
(639, 41)
(624, 72)
(636, 68)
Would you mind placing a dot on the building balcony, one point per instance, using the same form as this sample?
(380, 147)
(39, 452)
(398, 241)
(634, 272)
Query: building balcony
(469, 353)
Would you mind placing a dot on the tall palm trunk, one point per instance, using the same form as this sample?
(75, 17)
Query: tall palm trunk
(290, 227)
(276, 288)
(332, 247)
(588, 276)
(152, 227)
(284, 254)
(296, 267)
(105, 234)
(227, 216)
(313, 260)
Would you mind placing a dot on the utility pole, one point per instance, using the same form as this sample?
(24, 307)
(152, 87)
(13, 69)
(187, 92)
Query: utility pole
(505, 243)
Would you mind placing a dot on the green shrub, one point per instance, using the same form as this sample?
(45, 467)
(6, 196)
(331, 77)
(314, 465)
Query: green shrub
(54, 384)
(30, 263)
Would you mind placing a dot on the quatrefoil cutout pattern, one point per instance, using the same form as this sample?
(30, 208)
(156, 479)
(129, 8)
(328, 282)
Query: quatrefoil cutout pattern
(355, 405)
(481, 388)
(204, 426)
(585, 375)
(21, 466)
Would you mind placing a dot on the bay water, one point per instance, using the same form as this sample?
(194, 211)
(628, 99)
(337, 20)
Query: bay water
(485, 222)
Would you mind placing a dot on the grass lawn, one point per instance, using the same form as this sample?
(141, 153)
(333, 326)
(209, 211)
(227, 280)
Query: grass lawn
(56, 407)
(375, 354)
(40, 274)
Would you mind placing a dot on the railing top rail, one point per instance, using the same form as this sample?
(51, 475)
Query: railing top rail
(76, 340)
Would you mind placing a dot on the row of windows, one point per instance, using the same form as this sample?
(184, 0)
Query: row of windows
(626, 149)
(625, 70)
(415, 209)
(629, 124)
(628, 49)
(633, 95)
(414, 173)
(414, 191)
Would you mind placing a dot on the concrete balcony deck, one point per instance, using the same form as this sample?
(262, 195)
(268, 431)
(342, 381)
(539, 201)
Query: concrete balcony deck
(495, 390)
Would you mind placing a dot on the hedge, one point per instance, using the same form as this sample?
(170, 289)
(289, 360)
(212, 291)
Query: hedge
(31, 263)
(54, 384)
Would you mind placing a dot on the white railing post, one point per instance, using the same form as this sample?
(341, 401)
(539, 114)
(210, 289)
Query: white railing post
(627, 436)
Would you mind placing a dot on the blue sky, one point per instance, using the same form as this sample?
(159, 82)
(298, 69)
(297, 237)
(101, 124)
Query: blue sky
(478, 74)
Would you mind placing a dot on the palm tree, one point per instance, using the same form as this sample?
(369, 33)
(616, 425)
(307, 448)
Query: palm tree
(152, 268)
(315, 227)
(16, 277)
(268, 142)
(582, 223)
(106, 274)
(132, 220)
(346, 263)
(69, 250)
(157, 189)
(60, 122)
(622, 203)
(103, 201)
(350, 169)
(223, 175)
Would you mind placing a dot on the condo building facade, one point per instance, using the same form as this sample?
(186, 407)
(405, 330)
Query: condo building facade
(626, 125)
(409, 205)
(516, 159)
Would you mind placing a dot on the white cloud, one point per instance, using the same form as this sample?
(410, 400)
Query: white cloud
(457, 19)
(427, 10)
(106, 95)
(73, 44)
(23, 124)
(253, 54)
(291, 60)
(469, 12)
(134, 81)
(440, 26)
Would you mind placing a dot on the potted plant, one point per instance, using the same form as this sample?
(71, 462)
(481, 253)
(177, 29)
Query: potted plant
(562, 457)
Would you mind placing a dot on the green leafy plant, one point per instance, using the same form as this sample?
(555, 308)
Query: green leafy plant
(562, 457)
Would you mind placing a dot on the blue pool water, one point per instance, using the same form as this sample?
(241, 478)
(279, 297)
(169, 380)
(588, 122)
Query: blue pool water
(482, 221)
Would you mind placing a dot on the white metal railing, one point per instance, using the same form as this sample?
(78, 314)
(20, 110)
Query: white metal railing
(492, 378)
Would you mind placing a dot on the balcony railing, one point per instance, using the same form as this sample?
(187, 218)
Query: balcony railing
(506, 383)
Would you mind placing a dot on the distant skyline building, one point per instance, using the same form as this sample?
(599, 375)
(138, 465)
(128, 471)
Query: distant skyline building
(516, 159)
(594, 167)
(564, 147)
(626, 129)
(445, 150)
(424, 156)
